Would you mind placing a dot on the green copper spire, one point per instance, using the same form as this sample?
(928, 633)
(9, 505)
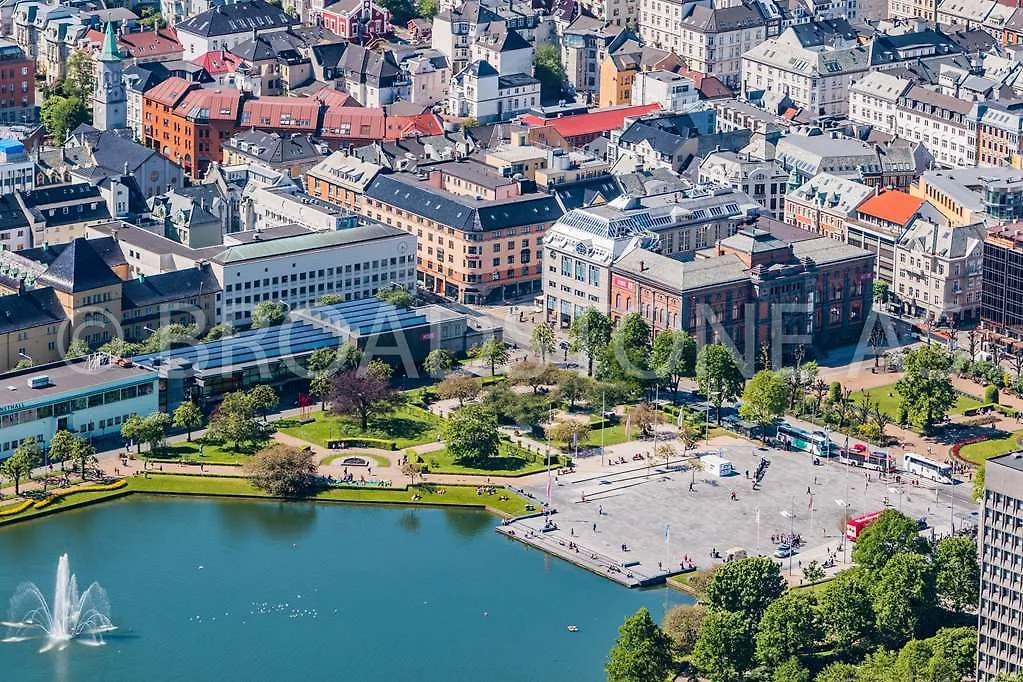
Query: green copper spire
(109, 52)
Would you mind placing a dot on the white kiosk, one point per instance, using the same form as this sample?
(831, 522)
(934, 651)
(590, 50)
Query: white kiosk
(717, 466)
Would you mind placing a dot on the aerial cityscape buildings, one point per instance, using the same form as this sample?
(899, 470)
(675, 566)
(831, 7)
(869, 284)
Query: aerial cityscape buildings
(632, 274)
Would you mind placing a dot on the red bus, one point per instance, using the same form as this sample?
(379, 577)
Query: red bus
(878, 460)
(856, 526)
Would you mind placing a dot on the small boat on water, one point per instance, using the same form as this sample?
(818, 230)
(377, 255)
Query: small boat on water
(573, 628)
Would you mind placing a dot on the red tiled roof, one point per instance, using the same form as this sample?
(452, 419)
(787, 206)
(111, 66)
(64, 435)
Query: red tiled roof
(170, 92)
(421, 124)
(710, 87)
(218, 62)
(298, 113)
(592, 122)
(161, 42)
(332, 97)
(218, 104)
(355, 122)
(892, 205)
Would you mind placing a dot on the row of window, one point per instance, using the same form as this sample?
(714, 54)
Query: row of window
(66, 407)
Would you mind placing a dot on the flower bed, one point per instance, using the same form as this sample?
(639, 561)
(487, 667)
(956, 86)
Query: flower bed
(98, 488)
(16, 509)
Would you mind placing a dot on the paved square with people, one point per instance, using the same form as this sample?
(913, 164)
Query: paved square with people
(651, 517)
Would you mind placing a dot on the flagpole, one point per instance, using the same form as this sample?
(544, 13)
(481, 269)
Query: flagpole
(603, 419)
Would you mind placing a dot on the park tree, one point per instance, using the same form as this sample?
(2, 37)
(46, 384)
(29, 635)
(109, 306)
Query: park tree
(322, 360)
(590, 333)
(718, 375)
(460, 386)
(491, 352)
(747, 586)
(531, 373)
(234, 420)
(188, 416)
(764, 398)
(902, 591)
(954, 653)
(76, 349)
(360, 392)
(264, 399)
(627, 357)
(219, 331)
(673, 357)
(379, 369)
(642, 417)
(396, 295)
(269, 314)
(471, 434)
(439, 362)
(813, 572)
(131, 430)
(62, 446)
(349, 357)
(790, 670)
(83, 454)
(892, 532)
(282, 470)
(789, 628)
(61, 115)
(27, 455)
(642, 652)
(957, 576)
(330, 299)
(120, 348)
(411, 469)
(568, 431)
(549, 70)
(154, 429)
(168, 337)
(682, 624)
(846, 609)
(320, 387)
(542, 340)
(880, 290)
(926, 389)
(573, 387)
(724, 648)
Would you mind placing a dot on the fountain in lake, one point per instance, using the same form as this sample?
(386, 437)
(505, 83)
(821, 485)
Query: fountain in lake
(84, 616)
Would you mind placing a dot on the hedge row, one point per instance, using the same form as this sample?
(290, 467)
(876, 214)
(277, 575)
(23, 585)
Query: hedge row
(16, 509)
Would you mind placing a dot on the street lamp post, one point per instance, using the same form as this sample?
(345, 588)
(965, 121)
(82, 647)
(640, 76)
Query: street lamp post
(845, 518)
(791, 514)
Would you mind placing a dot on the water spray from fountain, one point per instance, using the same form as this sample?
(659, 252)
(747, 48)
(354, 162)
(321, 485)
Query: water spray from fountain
(83, 617)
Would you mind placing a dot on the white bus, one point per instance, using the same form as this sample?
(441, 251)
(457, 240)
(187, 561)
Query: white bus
(816, 443)
(913, 463)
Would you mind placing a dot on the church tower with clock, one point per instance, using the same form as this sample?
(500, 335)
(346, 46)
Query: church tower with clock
(109, 102)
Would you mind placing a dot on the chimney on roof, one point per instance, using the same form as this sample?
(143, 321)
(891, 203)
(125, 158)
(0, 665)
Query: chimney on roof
(642, 266)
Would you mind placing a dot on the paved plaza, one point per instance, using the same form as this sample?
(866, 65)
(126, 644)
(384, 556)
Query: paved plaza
(632, 503)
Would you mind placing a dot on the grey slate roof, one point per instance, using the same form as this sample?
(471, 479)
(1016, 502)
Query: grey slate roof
(462, 213)
(78, 268)
(682, 276)
(237, 17)
(583, 193)
(11, 215)
(167, 287)
(30, 309)
(274, 148)
(107, 248)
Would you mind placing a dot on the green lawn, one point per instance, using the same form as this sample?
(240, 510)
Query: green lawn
(406, 426)
(512, 461)
(889, 404)
(231, 486)
(986, 449)
(613, 435)
(378, 460)
(212, 453)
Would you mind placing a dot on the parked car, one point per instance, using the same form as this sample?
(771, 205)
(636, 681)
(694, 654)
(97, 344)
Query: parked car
(783, 551)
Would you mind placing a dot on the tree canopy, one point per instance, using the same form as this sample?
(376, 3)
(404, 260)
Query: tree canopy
(549, 70)
(362, 393)
(718, 375)
(926, 389)
(764, 397)
(746, 586)
(641, 653)
(269, 314)
(471, 434)
(724, 648)
(958, 572)
(20, 464)
(492, 352)
(892, 532)
(673, 357)
(789, 628)
(282, 470)
(590, 333)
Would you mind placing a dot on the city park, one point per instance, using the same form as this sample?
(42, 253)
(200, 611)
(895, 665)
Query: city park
(517, 434)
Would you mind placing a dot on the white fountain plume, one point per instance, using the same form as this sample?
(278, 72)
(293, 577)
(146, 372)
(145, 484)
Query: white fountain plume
(83, 617)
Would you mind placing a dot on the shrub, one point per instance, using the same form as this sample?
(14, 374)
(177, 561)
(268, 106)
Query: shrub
(870, 431)
(55, 497)
(991, 394)
(381, 443)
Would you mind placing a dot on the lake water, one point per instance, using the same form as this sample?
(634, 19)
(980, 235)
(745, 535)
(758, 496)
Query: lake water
(248, 590)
